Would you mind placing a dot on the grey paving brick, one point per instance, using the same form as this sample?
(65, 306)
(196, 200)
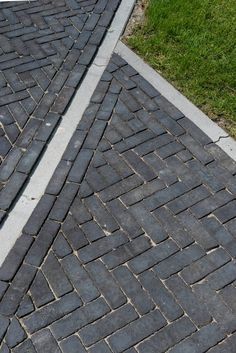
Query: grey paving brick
(24, 347)
(10, 191)
(149, 223)
(178, 261)
(207, 264)
(39, 214)
(63, 202)
(79, 278)
(168, 337)
(42, 243)
(196, 149)
(44, 341)
(189, 199)
(80, 166)
(222, 276)
(152, 256)
(54, 311)
(4, 325)
(40, 290)
(15, 257)
(189, 301)
(161, 296)
(197, 231)
(125, 218)
(102, 246)
(16, 291)
(71, 345)
(227, 212)
(217, 307)
(106, 284)
(173, 227)
(126, 252)
(30, 157)
(55, 275)
(73, 233)
(100, 347)
(102, 216)
(133, 289)
(79, 318)
(136, 331)
(107, 325)
(15, 334)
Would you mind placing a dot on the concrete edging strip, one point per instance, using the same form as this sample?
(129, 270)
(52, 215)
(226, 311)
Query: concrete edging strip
(24, 207)
(217, 134)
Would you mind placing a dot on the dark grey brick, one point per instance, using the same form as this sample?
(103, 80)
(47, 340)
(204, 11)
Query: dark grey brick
(61, 246)
(189, 301)
(107, 325)
(15, 257)
(161, 296)
(73, 233)
(80, 166)
(26, 346)
(207, 264)
(10, 191)
(178, 261)
(148, 223)
(63, 202)
(39, 214)
(26, 307)
(52, 312)
(124, 218)
(197, 231)
(30, 157)
(227, 212)
(126, 252)
(40, 290)
(56, 183)
(136, 331)
(79, 318)
(56, 276)
(102, 216)
(102, 246)
(100, 347)
(63, 100)
(16, 291)
(15, 334)
(106, 284)
(95, 134)
(79, 278)
(44, 341)
(4, 325)
(42, 243)
(72, 345)
(196, 149)
(173, 227)
(74, 145)
(168, 336)
(152, 256)
(223, 276)
(189, 199)
(133, 289)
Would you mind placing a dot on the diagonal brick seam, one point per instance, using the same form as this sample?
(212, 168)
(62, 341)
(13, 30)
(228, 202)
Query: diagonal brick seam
(46, 49)
(132, 247)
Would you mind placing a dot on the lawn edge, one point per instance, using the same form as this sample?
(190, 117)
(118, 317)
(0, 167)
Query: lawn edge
(191, 111)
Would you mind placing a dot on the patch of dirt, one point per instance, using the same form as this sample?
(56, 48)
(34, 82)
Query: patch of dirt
(136, 18)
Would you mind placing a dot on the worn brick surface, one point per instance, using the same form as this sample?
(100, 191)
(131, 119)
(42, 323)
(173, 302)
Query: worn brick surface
(132, 248)
(46, 47)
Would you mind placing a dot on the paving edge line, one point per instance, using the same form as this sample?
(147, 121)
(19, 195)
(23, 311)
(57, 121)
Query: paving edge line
(217, 134)
(24, 207)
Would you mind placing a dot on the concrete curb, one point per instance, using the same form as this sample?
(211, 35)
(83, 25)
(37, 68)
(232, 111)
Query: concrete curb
(217, 134)
(24, 207)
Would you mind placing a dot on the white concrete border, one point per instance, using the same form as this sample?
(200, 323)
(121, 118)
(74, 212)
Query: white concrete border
(24, 207)
(218, 135)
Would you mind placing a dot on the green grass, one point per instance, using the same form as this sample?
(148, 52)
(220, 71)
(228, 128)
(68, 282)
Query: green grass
(193, 45)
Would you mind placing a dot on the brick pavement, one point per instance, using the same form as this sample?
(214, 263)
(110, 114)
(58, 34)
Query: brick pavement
(46, 47)
(132, 248)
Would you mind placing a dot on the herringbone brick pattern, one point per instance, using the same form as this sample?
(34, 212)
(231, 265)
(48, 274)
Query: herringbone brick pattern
(132, 248)
(46, 47)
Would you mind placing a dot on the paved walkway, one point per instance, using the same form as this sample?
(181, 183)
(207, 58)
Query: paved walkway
(46, 48)
(132, 247)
